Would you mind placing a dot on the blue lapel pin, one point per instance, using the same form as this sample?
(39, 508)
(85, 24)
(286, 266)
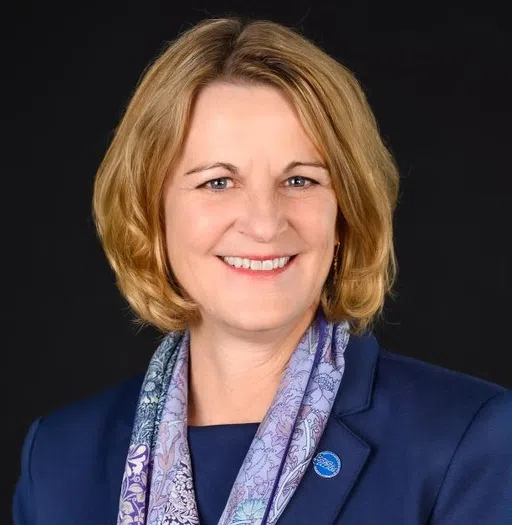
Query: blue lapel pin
(327, 464)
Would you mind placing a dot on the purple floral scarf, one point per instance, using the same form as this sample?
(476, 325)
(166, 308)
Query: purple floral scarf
(157, 486)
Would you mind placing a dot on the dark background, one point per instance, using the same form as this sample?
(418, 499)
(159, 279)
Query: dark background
(438, 80)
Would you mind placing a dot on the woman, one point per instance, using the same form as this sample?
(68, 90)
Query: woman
(246, 206)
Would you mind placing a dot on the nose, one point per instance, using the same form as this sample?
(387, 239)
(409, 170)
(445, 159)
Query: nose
(264, 217)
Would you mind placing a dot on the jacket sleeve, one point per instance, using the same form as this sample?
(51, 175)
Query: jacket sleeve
(23, 503)
(477, 488)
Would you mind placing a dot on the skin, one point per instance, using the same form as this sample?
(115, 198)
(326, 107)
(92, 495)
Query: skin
(249, 327)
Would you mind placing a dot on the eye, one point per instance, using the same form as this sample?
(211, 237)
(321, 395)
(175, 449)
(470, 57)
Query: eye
(299, 177)
(215, 187)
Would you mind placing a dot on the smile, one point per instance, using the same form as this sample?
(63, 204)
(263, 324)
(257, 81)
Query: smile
(255, 268)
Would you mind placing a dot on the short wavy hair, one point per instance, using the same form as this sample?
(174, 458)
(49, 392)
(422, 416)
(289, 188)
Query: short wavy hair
(127, 201)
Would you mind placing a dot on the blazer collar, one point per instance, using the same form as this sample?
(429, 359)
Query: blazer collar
(317, 500)
(356, 388)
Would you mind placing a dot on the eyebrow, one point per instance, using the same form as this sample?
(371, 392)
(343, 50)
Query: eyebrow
(233, 169)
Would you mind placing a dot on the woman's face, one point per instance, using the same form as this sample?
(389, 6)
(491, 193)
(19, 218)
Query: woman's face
(253, 204)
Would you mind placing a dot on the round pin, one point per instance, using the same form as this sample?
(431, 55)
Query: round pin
(327, 464)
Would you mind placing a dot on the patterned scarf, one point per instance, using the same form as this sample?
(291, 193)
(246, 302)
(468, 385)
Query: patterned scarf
(157, 486)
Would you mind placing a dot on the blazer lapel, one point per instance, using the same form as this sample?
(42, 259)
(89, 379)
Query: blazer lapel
(318, 499)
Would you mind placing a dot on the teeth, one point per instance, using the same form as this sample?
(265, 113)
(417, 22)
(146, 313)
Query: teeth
(270, 264)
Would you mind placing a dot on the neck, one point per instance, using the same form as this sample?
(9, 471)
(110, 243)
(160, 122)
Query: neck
(233, 376)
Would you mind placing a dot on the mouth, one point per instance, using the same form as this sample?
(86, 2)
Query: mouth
(257, 271)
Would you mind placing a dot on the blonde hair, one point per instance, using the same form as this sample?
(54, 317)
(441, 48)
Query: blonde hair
(127, 202)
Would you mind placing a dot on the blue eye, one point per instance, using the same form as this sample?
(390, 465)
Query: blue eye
(213, 187)
(217, 188)
(312, 182)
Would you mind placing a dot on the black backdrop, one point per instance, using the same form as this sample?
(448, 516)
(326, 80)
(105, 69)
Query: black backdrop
(438, 80)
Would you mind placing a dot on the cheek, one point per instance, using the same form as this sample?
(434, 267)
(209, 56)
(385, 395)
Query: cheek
(317, 220)
(192, 223)
(175, 218)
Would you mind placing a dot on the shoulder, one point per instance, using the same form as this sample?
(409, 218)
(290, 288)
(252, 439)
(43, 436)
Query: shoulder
(434, 406)
(454, 428)
(429, 385)
(115, 402)
(409, 391)
(87, 421)
(72, 445)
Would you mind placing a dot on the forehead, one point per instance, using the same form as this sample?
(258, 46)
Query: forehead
(240, 119)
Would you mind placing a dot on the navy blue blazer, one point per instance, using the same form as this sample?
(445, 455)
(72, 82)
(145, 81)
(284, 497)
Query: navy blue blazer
(419, 444)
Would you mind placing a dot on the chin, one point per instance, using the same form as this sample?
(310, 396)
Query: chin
(256, 318)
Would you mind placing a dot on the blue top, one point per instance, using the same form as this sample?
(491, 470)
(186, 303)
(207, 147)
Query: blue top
(217, 453)
(418, 444)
